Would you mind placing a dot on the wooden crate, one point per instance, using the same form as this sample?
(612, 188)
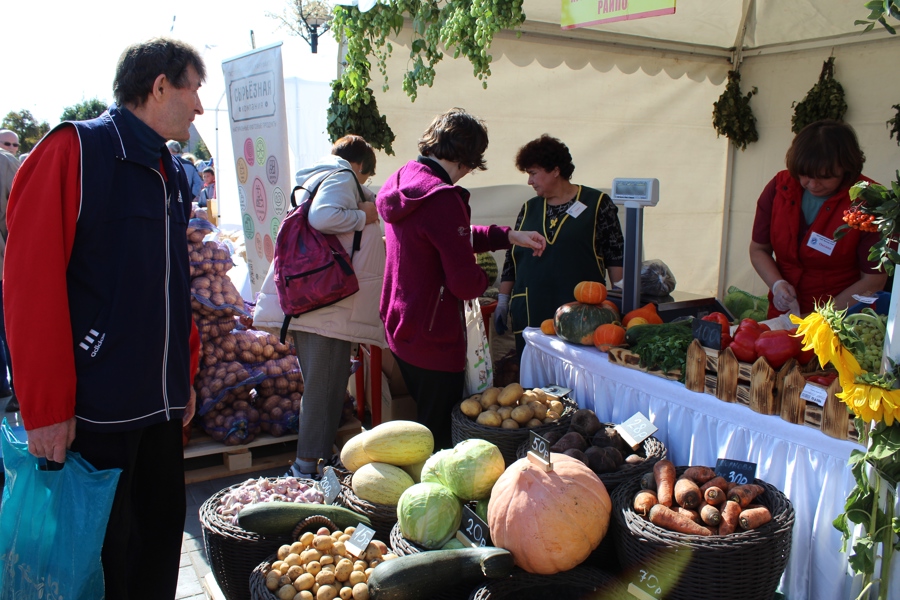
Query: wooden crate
(765, 390)
(626, 358)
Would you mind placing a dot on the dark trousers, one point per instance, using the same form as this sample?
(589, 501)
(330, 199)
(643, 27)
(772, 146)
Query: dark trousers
(435, 393)
(142, 548)
(5, 359)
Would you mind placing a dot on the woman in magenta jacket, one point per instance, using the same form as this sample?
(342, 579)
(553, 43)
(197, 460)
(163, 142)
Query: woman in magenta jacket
(431, 268)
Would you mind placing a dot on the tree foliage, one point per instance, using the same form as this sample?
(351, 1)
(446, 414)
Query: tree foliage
(463, 27)
(880, 10)
(87, 109)
(26, 126)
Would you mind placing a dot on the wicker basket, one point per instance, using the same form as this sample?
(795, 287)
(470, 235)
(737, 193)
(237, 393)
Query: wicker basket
(382, 516)
(580, 583)
(652, 449)
(507, 440)
(403, 547)
(258, 589)
(234, 552)
(750, 561)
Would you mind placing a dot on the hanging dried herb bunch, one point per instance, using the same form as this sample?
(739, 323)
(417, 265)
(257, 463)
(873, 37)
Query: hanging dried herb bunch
(732, 116)
(359, 116)
(894, 124)
(824, 101)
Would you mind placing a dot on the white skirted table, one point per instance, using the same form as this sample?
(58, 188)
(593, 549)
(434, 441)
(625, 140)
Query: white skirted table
(807, 465)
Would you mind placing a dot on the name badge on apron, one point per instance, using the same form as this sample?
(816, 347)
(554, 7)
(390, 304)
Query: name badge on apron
(576, 209)
(819, 242)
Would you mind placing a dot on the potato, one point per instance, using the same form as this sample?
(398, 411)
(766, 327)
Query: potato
(304, 595)
(489, 418)
(324, 577)
(541, 395)
(360, 591)
(539, 408)
(356, 577)
(343, 569)
(489, 397)
(294, 572)
(509, 424)
(294, 559)
(557, 407)
(283, 551)
(327, 592)
(522, 414)
(304, 582)
(323, 543)
(272, 581)
(534, 423)
(505, 412)
(510, 395)
(528, 396)
(327, 559)
(494, 407)
(311, 555)
(280, 566)
(346, 593)
(286, 592)
(360, 565)
(470, 408)
(314, 568)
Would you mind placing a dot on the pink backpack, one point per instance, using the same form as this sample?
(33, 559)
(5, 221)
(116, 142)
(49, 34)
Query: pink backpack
(312, 269)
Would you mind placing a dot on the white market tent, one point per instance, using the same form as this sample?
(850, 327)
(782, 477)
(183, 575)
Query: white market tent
(634, 99)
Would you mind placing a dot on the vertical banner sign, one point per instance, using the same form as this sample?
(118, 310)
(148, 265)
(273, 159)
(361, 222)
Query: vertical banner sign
(255, 86)
(584, 13)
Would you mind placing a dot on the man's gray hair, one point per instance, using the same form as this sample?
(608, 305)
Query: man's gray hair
(173, 146)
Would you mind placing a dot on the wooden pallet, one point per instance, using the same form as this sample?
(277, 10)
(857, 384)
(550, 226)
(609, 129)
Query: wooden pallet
(240, 459)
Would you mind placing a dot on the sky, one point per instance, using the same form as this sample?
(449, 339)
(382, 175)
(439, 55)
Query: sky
(59, 53)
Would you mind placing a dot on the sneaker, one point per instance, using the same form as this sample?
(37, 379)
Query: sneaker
(13, 404)
(295, 471)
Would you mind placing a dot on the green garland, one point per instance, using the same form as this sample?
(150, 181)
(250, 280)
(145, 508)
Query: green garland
(824, 101)
(464, 27)
(732, 116)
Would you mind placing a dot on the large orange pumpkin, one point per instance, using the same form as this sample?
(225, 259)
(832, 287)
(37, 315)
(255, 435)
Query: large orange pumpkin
(608, 335)
(590, 292)
(549, 521)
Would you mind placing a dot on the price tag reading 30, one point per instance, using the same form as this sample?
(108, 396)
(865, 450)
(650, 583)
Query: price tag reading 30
(330, 485)
(360, 539)
(736, 471)
(635, 430)
(539, 451)
(473, 531)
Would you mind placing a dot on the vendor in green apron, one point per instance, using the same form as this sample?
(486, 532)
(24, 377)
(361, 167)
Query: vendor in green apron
(584, 240)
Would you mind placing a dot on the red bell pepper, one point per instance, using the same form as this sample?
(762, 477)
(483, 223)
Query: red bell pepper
(805, 356)
(744, 341)
(722, 320)
(824, 380)
(777, 347)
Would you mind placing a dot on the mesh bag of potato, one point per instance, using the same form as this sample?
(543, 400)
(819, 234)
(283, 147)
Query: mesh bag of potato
(198, 229)
(211, 328)
(249, 346)
(225, 380)
(208, 258)
(281, 376)
(236, 422)
(278, 414)
(216, 295)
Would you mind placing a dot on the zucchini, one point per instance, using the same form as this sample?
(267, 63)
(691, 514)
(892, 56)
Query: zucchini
(425, 574)
(636, 332)
(277, 518)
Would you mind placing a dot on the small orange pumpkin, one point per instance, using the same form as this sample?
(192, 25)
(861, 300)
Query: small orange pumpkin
(648, 311)
(548, 327)
(637, 321)
(590, 292)
(608, 335)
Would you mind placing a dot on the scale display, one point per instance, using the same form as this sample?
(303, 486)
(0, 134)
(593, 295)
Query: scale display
(643, 192)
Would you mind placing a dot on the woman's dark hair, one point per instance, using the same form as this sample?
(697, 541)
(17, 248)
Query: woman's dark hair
(456, 136)
(140, 65)
(547, 153)
(825, 148)
(355, 149)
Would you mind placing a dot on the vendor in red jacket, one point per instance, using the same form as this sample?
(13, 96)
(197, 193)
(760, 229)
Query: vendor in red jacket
(793, 248)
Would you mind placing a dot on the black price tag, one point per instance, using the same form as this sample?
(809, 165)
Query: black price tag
(636, 429)
(539, 451)
(646, 587)
(736, 471)
(708, 332)
(360, 539)
(473, 530)
(330, 485)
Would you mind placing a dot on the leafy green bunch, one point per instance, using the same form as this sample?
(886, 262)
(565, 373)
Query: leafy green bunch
(824, 101)
(732, 116)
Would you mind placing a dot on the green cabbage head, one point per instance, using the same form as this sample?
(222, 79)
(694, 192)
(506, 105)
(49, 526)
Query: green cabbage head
(470, 469)
(429, 514)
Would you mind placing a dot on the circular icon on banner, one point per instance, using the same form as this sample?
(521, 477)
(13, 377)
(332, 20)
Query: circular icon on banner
(248, 152)
(242, 170)
(259, 244)
(260, 202)
(249, 228)
(275, 226)
(272, 170)
(260, 150)
(279, 201)
(242, 199)
(269, 248)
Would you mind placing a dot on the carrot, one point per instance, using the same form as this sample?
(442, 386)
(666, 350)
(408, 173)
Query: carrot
(754, 517)
(669, 519)
(730, 486)
(745, 494)
(664, 473)
(710, 515)
(644, 501)
(699, 475)
(712, 530)
(730, 513)
(693, 515)
(718, 482)
(714, 495)
(687, 493)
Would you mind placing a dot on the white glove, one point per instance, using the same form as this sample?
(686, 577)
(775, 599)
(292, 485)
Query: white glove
(784, 297)
(501, 313)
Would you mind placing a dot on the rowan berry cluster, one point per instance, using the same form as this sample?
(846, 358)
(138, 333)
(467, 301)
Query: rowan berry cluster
(857, 219)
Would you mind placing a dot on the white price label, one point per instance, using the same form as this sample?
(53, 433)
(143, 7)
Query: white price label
(636, 429)
(814, 393)
(330, 485)
(360, 539)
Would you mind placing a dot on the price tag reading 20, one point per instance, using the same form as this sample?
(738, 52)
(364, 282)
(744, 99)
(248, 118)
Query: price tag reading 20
(473, 529)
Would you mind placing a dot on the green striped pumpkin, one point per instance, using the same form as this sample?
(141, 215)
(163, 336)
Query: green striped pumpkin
(575, 322)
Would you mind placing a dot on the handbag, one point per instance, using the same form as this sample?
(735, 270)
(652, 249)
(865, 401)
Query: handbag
(479, 367)
(52, 525)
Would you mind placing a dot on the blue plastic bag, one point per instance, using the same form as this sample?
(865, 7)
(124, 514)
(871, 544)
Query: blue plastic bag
(52, 525)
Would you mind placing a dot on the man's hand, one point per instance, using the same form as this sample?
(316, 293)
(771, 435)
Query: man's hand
(190, 409)
(52, 441)
(528, 239)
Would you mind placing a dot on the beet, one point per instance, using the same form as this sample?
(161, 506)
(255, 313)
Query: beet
(598, 461)
(575, 453)
(585, 422)
(569, 441)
